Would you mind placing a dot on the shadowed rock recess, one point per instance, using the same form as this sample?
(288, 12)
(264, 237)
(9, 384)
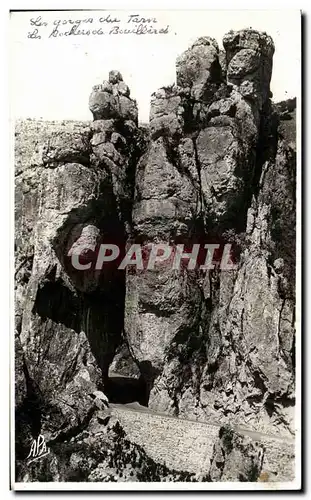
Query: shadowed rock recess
(215, 349)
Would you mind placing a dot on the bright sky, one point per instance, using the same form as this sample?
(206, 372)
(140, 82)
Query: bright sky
(52, 78)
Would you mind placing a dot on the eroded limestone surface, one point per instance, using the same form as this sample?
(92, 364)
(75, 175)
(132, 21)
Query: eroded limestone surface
(215, 164)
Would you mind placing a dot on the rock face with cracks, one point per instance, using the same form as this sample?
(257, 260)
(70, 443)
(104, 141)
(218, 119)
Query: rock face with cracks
(215, 165)
(220, 344)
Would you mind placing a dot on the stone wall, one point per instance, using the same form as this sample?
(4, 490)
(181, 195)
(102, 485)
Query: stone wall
(190, 445)
(179, 444)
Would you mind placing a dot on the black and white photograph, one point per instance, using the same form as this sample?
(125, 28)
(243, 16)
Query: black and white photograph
(156, 342)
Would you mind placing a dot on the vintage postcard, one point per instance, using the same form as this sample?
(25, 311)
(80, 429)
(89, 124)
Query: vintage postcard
(157, 249)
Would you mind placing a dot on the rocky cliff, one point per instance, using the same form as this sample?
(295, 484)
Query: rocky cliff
(216, 164)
